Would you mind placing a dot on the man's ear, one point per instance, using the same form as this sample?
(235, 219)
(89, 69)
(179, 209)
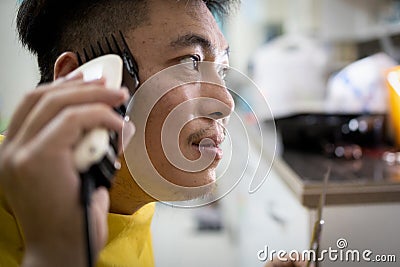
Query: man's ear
(65, 63)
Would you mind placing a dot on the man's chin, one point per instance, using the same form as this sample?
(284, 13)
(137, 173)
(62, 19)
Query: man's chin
(178, 186)
(189, 193)
(170, 191)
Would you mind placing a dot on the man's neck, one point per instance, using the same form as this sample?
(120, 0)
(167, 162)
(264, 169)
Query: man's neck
(126, 197)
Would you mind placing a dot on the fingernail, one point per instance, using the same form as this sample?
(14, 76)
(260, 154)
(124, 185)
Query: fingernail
(74, 75)
(128, 132)
(100, 80)
(125, 91)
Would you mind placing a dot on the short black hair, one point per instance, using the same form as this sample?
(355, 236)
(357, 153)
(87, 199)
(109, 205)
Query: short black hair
(49, 27)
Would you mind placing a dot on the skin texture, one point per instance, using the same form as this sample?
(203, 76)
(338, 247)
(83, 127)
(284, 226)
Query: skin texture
(163, 42)
(170, 22)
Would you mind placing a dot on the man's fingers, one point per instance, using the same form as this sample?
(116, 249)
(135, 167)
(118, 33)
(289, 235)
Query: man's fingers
(286, 263)
(51, 104)
(69, 77)
(70, 125)
(99, 210)
(30, 100)
(101, 199)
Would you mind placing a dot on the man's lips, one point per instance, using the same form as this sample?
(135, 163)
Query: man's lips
(214, 151)
(209, 144)
(209, 140)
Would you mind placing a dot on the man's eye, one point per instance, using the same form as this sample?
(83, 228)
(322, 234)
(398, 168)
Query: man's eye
(194, 59)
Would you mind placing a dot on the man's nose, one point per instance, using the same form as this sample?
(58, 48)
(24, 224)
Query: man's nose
(217, 102)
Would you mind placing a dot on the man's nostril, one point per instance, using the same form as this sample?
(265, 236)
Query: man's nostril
(216, 114)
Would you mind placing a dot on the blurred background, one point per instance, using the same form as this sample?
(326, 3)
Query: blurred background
(18, 70)
(323, 67)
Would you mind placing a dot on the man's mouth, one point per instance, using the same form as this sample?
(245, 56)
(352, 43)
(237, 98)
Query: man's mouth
(209, 144)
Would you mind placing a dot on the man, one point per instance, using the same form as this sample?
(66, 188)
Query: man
(51, 120)
(40, 215)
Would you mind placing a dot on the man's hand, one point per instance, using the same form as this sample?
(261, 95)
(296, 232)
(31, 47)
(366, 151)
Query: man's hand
(37, 173)
(278, 263)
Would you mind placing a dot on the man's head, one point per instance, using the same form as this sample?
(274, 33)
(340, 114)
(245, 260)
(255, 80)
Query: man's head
(48, 27)
(160, 34)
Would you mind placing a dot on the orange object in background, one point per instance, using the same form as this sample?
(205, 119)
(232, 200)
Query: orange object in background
(393, 84)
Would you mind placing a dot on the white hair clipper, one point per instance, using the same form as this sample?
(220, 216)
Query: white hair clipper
(96, 154)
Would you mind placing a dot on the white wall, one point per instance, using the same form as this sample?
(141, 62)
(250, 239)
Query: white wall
(18, 71)
(358, 18)
(246, 30)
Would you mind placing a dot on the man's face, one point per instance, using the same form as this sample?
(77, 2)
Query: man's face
(183, 32)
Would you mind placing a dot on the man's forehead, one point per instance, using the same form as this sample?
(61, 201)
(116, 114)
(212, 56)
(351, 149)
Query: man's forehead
(186, 20)
(196, 9)
(193, 39)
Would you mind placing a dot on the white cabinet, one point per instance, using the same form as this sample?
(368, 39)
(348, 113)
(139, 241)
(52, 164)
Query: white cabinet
(273, 218)
(371, 227)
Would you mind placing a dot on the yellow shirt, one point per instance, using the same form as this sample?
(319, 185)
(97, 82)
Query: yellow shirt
(129, 241)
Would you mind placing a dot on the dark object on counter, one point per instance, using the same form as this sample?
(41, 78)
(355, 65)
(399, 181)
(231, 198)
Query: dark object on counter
(391, 157)
(341, 136)
(209, 218)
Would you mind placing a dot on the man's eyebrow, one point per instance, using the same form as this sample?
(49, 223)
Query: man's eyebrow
(190, 40)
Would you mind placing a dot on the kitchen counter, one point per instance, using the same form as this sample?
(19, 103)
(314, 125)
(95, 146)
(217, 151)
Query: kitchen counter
(368, 180)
